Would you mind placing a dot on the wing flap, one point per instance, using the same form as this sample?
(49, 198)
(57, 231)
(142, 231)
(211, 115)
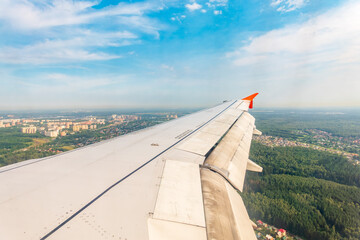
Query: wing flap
(225, 213)
(218, 212)
(179, 198)
(243, 223)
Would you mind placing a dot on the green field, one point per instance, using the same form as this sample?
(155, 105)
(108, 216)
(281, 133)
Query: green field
(16, 146)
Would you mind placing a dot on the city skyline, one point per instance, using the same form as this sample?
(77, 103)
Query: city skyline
(178, 54)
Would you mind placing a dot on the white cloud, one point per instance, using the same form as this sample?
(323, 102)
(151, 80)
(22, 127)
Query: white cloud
(203, 10)
(321, 55)
(142, 23)
(288, 5)
(216, 3)
(219, 3)
(35, 55)
(249, 60)
(32, 15)
(67, 50)
(178, 18)
(217, 12)
(194, 6)
(59, 27)
(69, 82)
(27, 15)
(332, 36)
(167, 67)
(58, 82)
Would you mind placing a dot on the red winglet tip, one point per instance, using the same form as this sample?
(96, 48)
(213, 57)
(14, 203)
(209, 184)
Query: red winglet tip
(251, 97)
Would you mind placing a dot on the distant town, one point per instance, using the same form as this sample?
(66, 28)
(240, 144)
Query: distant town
(55, 127)
(28, 136)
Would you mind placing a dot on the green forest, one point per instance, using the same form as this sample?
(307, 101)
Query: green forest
(311, 193)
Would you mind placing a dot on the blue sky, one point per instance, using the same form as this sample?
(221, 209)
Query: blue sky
(93, 54)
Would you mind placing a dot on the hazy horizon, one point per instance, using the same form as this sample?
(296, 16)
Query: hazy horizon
(327, 110)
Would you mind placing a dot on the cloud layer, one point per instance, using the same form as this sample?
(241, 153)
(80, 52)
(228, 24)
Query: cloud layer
(28, 15)
(69, 31)
(330, 37)
(317, 61)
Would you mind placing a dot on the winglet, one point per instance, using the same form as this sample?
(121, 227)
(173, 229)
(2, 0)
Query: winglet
(251, 99)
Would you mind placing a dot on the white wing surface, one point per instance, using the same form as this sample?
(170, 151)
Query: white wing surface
(176, 180)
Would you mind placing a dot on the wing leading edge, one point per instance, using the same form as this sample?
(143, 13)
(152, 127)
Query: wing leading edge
(183, 187)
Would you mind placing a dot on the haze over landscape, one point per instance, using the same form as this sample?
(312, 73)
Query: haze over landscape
(94, 54)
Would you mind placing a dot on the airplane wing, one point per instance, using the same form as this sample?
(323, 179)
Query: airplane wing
(176, 180)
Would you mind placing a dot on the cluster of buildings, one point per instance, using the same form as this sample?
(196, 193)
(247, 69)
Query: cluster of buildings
(267, 232)
(80, 127)
(30, 129)
(62, 127)
(282, 142)
(278, 141)
(55, 128)
(51, 127)
(174, 116)
(9, 123)
(118, 119)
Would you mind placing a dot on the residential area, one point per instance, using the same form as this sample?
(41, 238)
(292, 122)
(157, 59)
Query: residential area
(25, 137)
(316, 139)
